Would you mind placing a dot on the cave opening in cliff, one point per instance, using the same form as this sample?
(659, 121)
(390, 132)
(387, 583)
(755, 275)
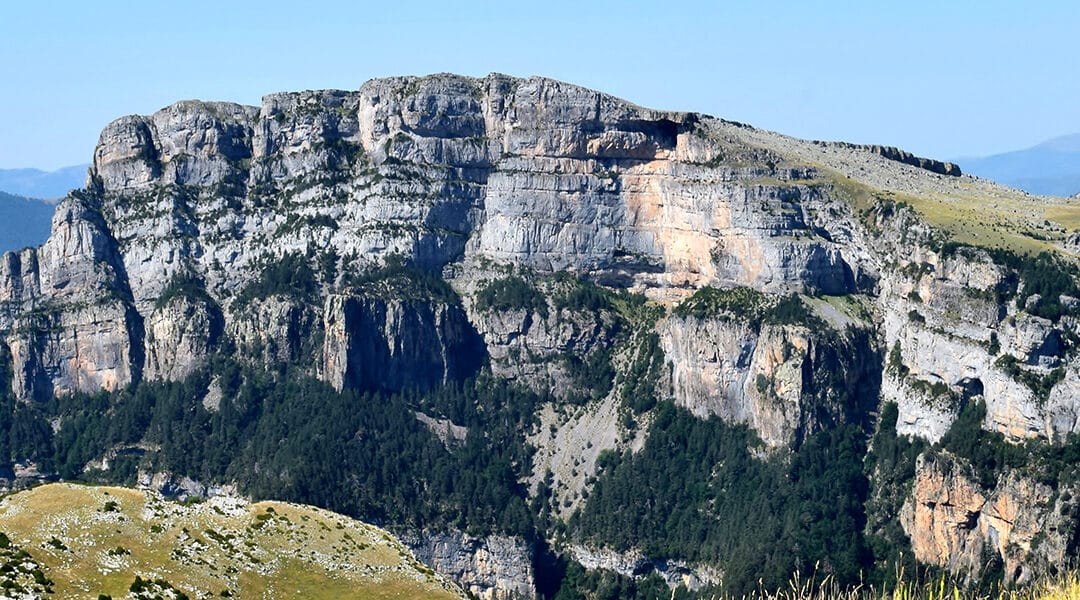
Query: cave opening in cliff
(971, 387)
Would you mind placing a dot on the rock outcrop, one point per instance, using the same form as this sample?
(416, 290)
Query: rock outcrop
(769, 379)
(180, 335)
(376, 343)
(674, 573)
(947, 327)
(491, 568)
(902, 156)
(352, 234)
(69, 325)
(954, 523)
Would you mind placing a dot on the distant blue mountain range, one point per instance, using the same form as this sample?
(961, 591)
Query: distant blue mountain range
(35, 183)
(1051, 168)
(23, 221)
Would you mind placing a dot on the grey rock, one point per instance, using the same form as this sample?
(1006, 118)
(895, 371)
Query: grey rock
(674, 573)
(492, 568)
(274, 330)
(765, 379)
(380, 343)
(180, 334)
(181, 488)
(471, 177)
(901, 156)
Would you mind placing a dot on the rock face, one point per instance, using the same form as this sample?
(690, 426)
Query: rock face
(67, 323)
(375, 343)
(891, 153)
(182, 488)
(768, 379)
(180, 334)
(492, 568)
(674, 573)
(956, 524)
(274, 330)
(533, 172)
(352, 235)
(527, 344)
(947, 329)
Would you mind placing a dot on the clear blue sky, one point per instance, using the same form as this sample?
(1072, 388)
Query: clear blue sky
(939, 78)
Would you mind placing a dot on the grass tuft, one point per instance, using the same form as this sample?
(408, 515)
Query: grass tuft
(1061, 587)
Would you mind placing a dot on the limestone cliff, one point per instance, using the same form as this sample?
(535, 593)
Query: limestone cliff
(491, 568)
(954, 523)
(770, 379)
(376, 343)
(421, 230)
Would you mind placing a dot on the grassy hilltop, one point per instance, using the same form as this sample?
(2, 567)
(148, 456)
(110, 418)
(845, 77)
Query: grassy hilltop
(87, 542)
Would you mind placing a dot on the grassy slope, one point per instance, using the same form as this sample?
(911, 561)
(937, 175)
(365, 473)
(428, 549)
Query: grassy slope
(971, 211)
(1014, 222)
(263, 550)
(973, 216)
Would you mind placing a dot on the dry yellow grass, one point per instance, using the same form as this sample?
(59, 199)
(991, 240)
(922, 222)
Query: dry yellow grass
(1067, 214)
(95, 540)
(1065, 587)
(1021, 223)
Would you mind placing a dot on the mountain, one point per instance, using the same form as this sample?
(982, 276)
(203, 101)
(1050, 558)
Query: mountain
(36, 183)
(74, 539)
(1051, 168)
(23, 222)
(559, 344)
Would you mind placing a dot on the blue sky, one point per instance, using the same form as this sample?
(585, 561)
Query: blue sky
(942, 79)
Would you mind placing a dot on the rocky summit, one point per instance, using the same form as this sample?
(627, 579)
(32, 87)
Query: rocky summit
(561, 299)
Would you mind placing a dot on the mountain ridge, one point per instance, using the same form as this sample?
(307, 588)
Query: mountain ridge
(1051, 167)
(488, 309)
(23, 221)
(36, 183)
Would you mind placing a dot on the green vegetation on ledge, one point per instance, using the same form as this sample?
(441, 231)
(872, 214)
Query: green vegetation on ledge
(748, 305)
(511, 293)
(289, 275)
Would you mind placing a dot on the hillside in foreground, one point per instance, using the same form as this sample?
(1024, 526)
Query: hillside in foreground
(89, 541)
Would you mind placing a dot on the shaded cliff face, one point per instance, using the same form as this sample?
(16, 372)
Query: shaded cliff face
(489, 568)
(373, 343)
(420, 232)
